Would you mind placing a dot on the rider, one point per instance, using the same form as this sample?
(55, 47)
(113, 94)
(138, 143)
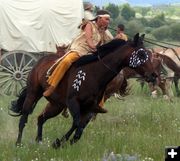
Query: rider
(88, 11)
(120, 33)
(88, 16)
(92, 34)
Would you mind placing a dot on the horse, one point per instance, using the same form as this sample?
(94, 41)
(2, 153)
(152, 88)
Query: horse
(174, 55)
(164, 68)
(118, 87)
(61, 50)
(82, 88)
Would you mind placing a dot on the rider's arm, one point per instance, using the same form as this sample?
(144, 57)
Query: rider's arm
(88, 35)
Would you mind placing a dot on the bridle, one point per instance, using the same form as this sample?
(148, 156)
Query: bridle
(113, 71)
(134, 60)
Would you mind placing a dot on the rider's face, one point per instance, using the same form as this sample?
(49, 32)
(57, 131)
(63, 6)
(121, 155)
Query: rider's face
(104, 21)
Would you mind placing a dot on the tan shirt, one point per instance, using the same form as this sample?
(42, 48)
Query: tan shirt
(88, 15)
(79, 44)
(122, 36)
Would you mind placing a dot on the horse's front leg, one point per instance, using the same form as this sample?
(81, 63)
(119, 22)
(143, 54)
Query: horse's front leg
(74, 109)
(60, 142)
(84, 121)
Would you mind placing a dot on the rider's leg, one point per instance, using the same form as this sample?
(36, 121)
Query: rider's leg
(59, 72)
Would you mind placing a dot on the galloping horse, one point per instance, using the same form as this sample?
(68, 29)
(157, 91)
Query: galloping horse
(82, 87)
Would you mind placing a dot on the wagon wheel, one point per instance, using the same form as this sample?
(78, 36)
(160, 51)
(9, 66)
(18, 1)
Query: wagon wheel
(14, 69)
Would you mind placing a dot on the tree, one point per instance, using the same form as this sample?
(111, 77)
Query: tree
(113, 9)
(161, 33)
(158, 21)
(96, 8)
(175, 31)
(161, 17)
(145, 10)
(127, 12)
(133, 27)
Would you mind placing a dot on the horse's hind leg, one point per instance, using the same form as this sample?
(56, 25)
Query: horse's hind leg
(28, 107)
(22, 122)
(50, 111)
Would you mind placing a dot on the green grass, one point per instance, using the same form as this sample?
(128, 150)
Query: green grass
(138, 126)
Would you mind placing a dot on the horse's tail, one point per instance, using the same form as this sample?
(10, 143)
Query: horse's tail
(124, 88)
(17, 105)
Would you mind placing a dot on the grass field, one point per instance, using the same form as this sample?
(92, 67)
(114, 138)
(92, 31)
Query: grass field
(138, 128)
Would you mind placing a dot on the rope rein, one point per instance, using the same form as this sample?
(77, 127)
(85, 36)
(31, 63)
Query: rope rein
(150, 41)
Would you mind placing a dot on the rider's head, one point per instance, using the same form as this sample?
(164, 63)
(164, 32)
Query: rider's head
(88, 6)
(102, 18)
(121, 27)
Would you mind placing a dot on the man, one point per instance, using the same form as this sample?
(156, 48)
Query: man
(88, 16)
(88, 11)
(93, 34)
(120, 33)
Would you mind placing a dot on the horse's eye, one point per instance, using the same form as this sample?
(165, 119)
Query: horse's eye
(141, 54)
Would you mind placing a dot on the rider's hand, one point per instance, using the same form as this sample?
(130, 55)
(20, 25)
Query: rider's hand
(93, 47)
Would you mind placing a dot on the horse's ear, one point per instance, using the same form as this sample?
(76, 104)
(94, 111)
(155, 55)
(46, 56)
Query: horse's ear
(142, 37)
(136, 39)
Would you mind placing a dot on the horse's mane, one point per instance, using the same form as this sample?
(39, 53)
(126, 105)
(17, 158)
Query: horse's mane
(101, 51)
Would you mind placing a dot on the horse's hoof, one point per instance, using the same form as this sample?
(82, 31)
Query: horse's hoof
(72, 141)
(56, 144)
(154, 94)
(38, 140)
(19, 144)
(166, 97)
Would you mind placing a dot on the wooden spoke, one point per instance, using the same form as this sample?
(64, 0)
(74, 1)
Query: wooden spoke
(14, 69)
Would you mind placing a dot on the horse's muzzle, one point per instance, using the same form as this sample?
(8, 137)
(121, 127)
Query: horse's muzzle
(151, 78)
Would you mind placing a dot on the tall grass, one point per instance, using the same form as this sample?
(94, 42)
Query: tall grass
(138, 126)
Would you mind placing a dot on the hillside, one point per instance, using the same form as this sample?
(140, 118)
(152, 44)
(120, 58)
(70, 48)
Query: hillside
(135, 2)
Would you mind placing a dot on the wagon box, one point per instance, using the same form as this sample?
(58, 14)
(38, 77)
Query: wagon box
(30, 29)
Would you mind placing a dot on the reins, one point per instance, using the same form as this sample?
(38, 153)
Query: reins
(163, 42)
(152, 41)
(99, 58)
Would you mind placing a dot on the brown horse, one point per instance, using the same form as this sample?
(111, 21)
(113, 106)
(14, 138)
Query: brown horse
(168, 72)
(164, 67)
(174, 56)
(61, 50)
(82, 87)
(118, 85)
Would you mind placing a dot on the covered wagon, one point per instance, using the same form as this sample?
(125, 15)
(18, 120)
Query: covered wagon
(30, 29)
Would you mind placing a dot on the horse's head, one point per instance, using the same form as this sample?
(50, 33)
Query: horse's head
(140, 60)
(61, 50)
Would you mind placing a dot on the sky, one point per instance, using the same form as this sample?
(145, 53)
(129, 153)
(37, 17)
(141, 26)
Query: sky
(133, 2)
